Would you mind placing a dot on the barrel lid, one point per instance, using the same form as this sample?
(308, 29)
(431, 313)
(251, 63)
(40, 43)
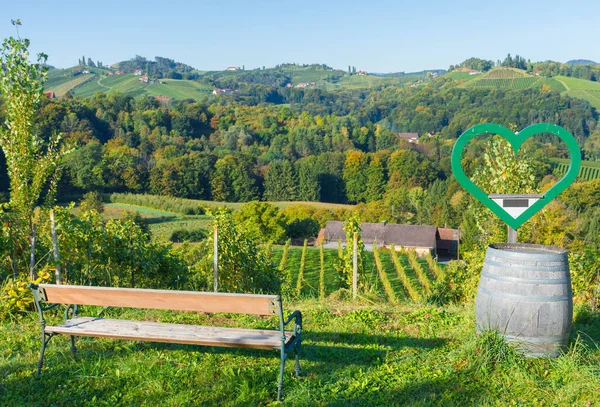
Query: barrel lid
(525, 250)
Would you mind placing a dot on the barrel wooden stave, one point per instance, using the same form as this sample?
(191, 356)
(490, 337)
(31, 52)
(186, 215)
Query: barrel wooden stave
(525, 293)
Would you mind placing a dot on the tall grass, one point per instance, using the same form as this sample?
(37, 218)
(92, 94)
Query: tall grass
(301, 271)
(387, 286)
(165, 203)
(418, 269)
(408, 285)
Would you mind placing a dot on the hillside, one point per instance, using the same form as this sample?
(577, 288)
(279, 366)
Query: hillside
(582, 89)
(87, 84)
(581, 62)
(516, 79)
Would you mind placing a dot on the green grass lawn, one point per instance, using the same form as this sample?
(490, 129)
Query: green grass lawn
(352, 355)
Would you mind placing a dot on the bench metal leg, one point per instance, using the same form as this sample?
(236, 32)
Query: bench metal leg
(73, 347)
(297, 365)
(281, 371)
(45, 339)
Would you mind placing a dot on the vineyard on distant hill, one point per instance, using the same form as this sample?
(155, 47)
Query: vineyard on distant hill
(589, 171)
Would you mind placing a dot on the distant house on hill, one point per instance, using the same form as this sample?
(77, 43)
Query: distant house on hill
(410, 137)
(85, 71)
(119, 73)
(474, 72)
(306, 84)
(144, 79)
(362, 73)
(225, 91)
(50, 94)
(234, 68)
(422, 239)
(163, 100)
(138, 72)
(537, 72)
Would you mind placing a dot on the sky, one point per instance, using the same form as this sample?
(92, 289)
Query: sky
(376, 36)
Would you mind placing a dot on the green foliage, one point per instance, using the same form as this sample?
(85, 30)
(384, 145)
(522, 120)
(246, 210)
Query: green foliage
(32, 164)
(15, 295)
(434, 266)
(345, 263)
(418, 269)
(92, 201)
(264, 219)
(244, 265)
(300, 280)
(387, 286)
(459, 283)
(165, 203)
(280, 182)
(406, 283)
(185, 235)
(500, 173)
(585, 276)
(117, 252)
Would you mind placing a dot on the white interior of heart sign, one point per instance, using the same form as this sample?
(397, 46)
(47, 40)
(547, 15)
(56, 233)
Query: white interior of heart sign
(515, 205)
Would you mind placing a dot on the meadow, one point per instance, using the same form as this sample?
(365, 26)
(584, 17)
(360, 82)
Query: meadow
(353, 354)
(86, 85)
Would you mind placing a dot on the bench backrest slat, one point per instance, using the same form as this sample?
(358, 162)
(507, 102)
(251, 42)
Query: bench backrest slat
(161, 299)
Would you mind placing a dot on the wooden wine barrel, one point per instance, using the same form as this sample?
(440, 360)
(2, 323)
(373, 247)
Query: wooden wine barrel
(525, 293)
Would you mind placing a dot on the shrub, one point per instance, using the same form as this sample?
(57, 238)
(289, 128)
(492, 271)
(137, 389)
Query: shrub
(184, 235)
(92, 201)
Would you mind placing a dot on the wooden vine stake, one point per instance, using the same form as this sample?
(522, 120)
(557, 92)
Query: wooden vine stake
(32, 273)
(216, 258)
(355, 267)
(58, 271)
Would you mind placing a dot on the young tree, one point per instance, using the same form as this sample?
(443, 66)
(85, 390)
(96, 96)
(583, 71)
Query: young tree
(263, 218)
(355, 175)
(375, 180)
(280, 182)
(32, 164)
(308, 180)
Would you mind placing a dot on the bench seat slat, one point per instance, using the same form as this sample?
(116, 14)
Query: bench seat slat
(160, 299)
(171, 333)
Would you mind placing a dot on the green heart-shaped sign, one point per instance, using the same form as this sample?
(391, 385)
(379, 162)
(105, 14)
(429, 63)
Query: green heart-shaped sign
(516, 140)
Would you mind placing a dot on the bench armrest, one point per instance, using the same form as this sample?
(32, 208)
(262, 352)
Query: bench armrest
(296, 316)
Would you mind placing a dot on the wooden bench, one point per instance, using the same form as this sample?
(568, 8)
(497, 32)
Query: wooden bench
(48, 296)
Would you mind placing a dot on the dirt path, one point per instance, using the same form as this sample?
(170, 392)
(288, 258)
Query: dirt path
(564, 84)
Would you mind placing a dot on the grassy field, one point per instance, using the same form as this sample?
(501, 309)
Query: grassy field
(162, 223)
(353, 354)
(582, 89)
(86, 85)
(63, 87)
(139, 198)
(460, 76)
(369, 81)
